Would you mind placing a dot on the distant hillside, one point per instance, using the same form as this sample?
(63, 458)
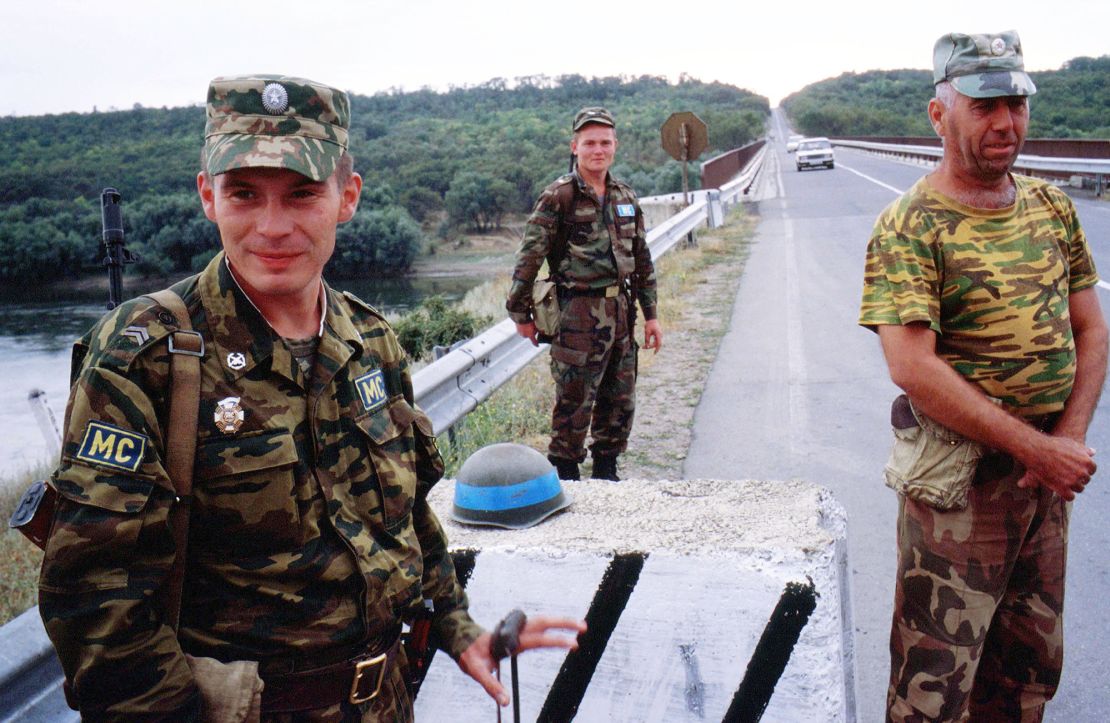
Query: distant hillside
(1071, 102)
(422, 154)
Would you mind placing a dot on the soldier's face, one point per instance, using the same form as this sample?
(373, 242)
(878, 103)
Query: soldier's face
(277, 227)
(982, 135)
(595, 146)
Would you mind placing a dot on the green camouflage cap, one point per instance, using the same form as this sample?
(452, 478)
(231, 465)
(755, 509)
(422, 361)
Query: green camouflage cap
(274, 121)
(593, 114)
(982, 66)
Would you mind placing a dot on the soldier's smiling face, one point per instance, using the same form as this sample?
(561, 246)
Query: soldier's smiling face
(595, 146)
(277, 227)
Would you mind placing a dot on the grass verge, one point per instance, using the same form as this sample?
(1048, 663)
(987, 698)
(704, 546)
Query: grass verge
(19, 559)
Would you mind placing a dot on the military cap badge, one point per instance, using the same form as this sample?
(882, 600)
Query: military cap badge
(275, 98)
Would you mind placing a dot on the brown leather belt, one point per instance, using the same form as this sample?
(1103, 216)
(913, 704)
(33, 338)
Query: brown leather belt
(356, 680)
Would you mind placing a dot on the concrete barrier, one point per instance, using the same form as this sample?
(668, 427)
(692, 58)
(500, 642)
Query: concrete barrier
(707, 600)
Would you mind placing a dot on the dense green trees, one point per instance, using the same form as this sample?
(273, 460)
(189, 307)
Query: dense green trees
(469, 155)
(1070, 103)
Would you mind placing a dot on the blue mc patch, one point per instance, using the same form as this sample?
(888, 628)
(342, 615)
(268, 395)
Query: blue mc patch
(626, 210)
(371, 387)
(112, 447)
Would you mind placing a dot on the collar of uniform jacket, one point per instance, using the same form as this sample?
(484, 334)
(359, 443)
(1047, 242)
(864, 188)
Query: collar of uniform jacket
(587, 188)
(236, 327)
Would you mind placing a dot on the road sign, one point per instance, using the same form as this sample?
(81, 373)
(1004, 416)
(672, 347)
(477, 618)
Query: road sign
(685, 136)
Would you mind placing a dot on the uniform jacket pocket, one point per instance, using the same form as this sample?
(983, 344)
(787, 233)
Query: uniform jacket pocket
(244, 490)
(392, 449)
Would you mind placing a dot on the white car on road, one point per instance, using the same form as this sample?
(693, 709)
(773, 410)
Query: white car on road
(813, 152)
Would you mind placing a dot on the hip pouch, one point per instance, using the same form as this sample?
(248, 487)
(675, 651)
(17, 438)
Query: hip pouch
(545, 307)
(929, 463)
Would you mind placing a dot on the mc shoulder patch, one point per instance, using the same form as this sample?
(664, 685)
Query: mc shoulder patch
(371, 387)
(112, 447)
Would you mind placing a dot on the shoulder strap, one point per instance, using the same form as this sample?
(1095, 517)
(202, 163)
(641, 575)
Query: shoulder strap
(564, 196)
(186, 351)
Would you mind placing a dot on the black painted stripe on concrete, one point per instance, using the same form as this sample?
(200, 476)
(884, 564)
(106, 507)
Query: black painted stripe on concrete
(464, 568)
(772, 653)
(464, 564)
(605, 611)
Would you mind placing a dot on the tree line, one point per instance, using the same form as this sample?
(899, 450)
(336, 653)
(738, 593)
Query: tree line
(1070, 103)
(434, 164)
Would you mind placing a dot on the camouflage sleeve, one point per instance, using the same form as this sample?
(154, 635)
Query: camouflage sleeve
(452, 622)
(109, 549)
(1081, 265)
(539, 232)
(645, 269)
(901, 281)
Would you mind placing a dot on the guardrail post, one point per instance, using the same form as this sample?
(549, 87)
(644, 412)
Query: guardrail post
(715, 215)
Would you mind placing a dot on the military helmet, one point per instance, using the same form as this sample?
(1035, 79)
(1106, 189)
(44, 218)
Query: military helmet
(507, 485)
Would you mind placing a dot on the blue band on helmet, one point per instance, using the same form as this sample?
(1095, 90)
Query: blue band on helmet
(508, 497)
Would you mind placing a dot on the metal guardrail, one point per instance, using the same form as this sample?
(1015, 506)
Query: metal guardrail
(447, 389)
(1053, 165)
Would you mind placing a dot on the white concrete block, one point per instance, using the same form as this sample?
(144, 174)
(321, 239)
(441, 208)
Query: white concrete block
(718, 557)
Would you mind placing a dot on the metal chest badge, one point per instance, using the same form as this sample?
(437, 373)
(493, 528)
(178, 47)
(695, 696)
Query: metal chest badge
(229, 415)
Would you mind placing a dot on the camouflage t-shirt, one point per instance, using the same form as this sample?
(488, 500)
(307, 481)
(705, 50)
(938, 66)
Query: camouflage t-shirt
(993, 285)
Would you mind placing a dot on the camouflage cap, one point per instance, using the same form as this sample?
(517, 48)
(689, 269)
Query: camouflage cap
(274, 121)
(593, 114)
(982, 66)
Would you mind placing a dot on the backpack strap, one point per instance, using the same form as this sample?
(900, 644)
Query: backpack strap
(186, 350)
(564, 198)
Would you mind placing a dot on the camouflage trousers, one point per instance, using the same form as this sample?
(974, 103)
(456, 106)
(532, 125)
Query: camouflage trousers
(978, 608)
(393, 704)
(593, 361)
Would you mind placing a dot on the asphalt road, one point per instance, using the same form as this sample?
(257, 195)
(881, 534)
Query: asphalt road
(799, 391)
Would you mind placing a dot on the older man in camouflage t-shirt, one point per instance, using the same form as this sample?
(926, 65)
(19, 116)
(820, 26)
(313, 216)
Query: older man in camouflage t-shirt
(981, 288)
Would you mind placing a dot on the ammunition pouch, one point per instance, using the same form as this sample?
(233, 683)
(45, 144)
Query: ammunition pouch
(545, 307)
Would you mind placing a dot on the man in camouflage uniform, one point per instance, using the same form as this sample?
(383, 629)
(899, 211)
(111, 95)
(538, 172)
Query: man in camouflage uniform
(589, 228)
(311, 538)
(982, 290)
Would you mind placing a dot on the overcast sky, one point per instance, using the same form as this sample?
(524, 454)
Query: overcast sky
(74, 55)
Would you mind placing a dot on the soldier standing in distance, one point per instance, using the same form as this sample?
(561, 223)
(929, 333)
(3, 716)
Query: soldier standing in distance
(590, 229)
(981, 287)
(311, 538)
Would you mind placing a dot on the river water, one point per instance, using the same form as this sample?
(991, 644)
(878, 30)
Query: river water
(36, 337)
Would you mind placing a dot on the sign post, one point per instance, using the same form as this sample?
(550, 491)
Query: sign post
(684, 136)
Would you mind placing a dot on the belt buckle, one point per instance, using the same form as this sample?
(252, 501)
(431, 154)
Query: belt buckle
(612, 291)
(361, 669)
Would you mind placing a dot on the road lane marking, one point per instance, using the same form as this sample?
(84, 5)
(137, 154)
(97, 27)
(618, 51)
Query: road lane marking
(877, 182)
(797, 405)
